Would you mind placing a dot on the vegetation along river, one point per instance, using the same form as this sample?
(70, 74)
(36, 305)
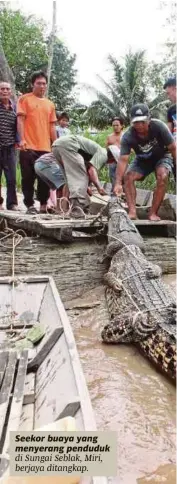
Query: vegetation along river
(128, 395)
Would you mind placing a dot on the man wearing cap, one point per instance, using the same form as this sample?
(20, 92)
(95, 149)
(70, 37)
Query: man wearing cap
(78, 159)
(170, 88)
(155, 151)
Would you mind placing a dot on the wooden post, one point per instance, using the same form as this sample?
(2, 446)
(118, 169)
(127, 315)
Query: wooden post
(51, 43)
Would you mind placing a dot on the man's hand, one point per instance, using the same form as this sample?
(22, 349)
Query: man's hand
(101, 191)
(118, 190)
(22, 144)
(89, 191)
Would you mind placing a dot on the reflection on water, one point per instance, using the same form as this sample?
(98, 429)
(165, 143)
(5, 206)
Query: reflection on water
(129, 396)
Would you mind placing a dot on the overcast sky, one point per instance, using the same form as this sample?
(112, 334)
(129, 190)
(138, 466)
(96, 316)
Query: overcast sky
(92, 31)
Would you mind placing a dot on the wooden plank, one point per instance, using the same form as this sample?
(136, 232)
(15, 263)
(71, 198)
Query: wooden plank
(6, 389)
(143, 197)
(4, 464)
(82, 390)
(18, 326)
(165, 228)
(157, 223)
(71, 223)
(27, 418)
(32, 224)
(17, 398)
(34, 364)
(29, 389)
(24, 279)
(70, 410)
(63, 234)
(3, 364)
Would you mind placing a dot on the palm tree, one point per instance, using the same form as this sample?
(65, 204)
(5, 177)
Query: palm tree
(133, 81)
(127, 87)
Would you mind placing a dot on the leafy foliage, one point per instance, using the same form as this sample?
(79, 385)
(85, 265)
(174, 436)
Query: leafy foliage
(25, 45)
(63, 76)
(132, 81)
(128, 85)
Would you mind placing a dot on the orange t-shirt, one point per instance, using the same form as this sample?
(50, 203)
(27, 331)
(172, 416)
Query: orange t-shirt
(39, 113)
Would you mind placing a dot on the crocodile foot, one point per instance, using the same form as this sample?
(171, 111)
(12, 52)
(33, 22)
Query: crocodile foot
(129, 328)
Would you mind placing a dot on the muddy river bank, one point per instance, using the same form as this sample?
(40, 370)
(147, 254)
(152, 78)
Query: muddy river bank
(128, 395)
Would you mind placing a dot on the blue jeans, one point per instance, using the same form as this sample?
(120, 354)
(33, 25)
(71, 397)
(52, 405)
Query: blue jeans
(8, 166)
(112, 173)
(51, 173)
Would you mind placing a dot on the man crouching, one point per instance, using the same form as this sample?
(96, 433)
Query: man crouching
(53, 174)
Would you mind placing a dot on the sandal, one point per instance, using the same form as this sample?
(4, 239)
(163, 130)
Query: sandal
(31, 211)
(51, 210)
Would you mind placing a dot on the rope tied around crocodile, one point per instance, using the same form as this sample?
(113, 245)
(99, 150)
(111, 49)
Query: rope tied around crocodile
(142, 309)
(139, 324)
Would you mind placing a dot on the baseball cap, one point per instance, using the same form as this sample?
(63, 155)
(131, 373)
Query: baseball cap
(171, 81)
(139, 112)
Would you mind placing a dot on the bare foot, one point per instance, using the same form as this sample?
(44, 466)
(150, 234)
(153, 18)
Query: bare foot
(154, 218)
(43, 208)
(1, 207)
(132, 215)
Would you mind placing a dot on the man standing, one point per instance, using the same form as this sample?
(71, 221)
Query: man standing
(8, 138)
(155, 151)
(114, 139)
(37, 129)
(170, 88)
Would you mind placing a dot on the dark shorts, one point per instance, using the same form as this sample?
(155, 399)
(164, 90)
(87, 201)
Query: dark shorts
(144, 168)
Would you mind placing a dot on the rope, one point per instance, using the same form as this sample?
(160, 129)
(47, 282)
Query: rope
(17, 237)
(138, 310)
(126, 246)
(60, 212)
(136, 273)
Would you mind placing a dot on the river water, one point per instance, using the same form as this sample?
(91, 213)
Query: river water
(128, 395)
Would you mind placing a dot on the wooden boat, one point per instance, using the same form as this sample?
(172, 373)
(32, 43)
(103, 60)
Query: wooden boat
(41, 378)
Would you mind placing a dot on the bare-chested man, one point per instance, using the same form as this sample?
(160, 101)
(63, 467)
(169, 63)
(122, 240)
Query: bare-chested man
(114, 139)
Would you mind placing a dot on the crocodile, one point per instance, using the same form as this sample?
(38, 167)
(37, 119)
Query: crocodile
(141, 307)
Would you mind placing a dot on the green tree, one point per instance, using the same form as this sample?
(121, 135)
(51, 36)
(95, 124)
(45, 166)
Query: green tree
(26, 48)
(63, 76)
(24, 45)
(77, 117)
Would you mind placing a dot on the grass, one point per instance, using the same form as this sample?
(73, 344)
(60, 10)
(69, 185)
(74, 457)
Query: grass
(100, 138)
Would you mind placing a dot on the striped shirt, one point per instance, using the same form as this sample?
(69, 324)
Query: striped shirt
(8, 125)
